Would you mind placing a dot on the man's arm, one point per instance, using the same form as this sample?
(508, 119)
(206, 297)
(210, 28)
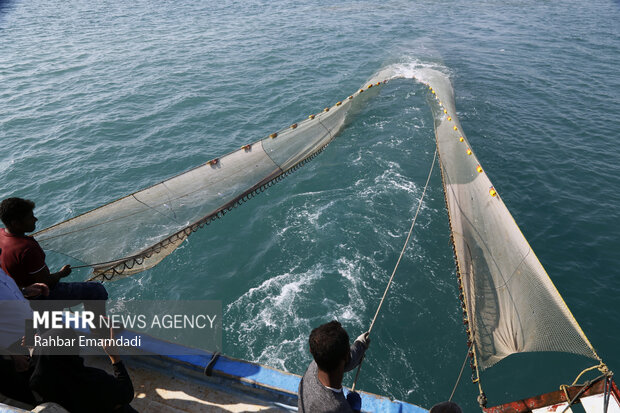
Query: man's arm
(36, 290)
(123, 388)
(44, 276)
(32, 262)
(359, 347)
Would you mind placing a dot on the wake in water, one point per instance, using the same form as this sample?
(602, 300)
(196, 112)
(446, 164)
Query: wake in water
(342, 271)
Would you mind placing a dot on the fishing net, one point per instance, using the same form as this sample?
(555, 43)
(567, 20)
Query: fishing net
(156, 220)
(511, 305)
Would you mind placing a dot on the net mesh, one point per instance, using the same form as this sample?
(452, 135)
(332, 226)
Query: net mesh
(511, 303)
(156, 220)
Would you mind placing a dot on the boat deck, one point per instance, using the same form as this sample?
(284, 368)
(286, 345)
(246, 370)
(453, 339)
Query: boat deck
(166, 382)
(158, 391)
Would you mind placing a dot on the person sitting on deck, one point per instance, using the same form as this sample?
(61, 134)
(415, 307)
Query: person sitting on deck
(15, 369)
(58, 378)
(24, 260)
(320, 389)
(64, 379)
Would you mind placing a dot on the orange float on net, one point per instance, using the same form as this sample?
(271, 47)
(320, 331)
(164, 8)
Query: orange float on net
(213, 161)
(246, 147)
(273, 135)
(293, 126)
(326, 110)
(361, 90)
(350, 97)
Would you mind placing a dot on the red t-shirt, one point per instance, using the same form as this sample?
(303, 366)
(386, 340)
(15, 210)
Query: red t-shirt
(21, 257)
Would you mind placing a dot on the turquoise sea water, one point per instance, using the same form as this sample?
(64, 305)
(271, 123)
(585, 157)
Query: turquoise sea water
(101, 99)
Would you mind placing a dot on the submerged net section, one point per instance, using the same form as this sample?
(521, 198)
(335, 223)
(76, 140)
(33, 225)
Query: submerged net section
(510, 303)
(155, 221)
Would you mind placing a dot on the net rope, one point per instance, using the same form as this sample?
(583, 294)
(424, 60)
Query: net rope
(400, 257)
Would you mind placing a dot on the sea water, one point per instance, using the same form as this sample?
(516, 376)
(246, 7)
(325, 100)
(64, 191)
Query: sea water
(99, 99)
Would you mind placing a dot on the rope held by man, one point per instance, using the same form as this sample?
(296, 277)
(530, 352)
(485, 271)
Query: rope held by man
(397, 262)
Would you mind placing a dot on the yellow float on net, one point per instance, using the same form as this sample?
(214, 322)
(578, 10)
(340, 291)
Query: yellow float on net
(361, 90)
(469, 151)
(246, 147)
(350, 97)
(449, 118)
(492, 191)
(326, 110)
(445, 111)
(455, 128)
(311, 117)
(479, 169)
(433, 92)
(338, 103)
(369, 86)
(273, 135)
(461, 139)
(378, 83)
(293, 126)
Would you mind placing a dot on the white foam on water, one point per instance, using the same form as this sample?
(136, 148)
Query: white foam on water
(278, 293)
(276, 355)
(283, 306)
(312, 213)
(411, 68)
(265, 310)
(349, 268)
(391, 179)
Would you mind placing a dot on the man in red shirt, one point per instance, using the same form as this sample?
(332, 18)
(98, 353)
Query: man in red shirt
(24, 260)
(22, 257)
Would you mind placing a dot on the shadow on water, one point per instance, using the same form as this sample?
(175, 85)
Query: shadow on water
(5, 7)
